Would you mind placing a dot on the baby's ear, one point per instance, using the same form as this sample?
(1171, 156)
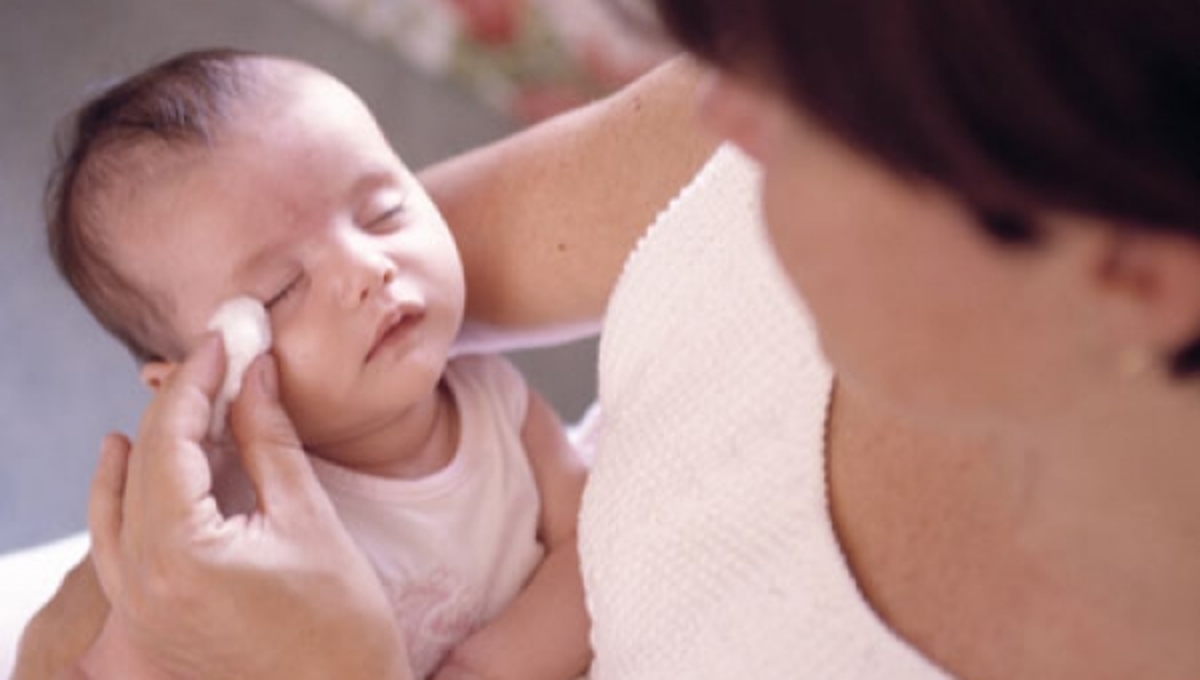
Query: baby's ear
(155, 373)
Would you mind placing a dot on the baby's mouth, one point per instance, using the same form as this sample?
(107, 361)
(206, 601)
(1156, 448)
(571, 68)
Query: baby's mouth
(394, 329)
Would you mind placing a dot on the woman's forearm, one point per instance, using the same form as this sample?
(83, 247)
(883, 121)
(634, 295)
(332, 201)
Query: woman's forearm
(545, 218)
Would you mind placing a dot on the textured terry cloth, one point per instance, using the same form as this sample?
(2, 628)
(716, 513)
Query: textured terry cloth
(452, 548)
(707, 545)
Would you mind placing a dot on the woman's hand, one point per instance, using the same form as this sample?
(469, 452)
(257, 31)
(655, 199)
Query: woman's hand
(281, 592)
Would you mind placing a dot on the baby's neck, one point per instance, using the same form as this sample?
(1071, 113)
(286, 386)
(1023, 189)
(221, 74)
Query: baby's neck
(417, 443)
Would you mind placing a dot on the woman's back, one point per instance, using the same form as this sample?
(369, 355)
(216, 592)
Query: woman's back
(705, 537)
(716, 489)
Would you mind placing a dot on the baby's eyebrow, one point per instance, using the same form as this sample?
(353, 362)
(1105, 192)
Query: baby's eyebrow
(373, 180)
(256, 261)
(271, 258)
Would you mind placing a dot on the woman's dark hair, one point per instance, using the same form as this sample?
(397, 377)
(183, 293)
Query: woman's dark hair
(178, 103)
(1015, 106)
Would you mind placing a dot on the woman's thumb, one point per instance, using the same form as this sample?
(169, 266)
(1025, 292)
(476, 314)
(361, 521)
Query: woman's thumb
(270, 449)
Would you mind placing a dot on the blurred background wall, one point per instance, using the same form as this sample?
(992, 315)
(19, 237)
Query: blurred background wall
(63, 382)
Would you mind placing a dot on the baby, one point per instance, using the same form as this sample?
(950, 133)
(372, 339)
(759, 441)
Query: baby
(219, 175)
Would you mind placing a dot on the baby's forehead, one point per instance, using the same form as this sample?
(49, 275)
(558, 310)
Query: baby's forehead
(257, 142)
(139, 172)
(275, 81)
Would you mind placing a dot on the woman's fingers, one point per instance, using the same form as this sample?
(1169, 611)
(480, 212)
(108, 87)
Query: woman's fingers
(202, 595)
(147, 493)
(105, 511)
(272, 454)
(174, 477)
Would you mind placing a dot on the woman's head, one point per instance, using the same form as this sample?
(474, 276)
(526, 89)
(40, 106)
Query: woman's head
(884, 126)
(1014, 105)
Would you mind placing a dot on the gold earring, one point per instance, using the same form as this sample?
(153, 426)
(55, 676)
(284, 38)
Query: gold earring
(1134, 361)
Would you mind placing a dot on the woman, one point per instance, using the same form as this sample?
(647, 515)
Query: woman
(996, 227)
(992, 210)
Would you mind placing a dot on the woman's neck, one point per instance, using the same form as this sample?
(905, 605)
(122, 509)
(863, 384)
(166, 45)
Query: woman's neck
(1091, 541)
(1112, 496)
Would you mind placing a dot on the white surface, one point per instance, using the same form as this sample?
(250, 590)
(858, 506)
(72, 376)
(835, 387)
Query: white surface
(27, 579)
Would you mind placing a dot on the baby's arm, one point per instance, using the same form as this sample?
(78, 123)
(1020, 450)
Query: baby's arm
(543, 633)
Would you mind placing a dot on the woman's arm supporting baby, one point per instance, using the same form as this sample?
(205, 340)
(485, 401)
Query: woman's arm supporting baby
(545, 218)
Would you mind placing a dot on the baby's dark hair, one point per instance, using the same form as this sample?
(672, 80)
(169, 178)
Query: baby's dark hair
(183, 102)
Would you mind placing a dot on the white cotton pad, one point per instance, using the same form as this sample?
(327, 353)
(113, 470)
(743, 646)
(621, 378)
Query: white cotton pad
(243, 325)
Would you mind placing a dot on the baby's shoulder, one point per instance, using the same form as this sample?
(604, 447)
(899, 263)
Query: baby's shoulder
(491, 378)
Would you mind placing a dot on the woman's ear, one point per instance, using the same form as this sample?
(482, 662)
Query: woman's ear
(155, 373)
(736, 111)
(1154, 276)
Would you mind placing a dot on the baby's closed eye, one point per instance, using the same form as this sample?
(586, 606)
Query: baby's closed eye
(388, 220)
(288, 291)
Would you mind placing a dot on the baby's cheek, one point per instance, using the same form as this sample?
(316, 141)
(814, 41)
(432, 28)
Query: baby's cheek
(305, 374)
(290, 365)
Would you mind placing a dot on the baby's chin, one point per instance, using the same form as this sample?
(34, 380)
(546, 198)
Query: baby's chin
(369, 421)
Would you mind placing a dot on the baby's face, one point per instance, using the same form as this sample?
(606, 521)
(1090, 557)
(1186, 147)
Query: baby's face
(304, 206)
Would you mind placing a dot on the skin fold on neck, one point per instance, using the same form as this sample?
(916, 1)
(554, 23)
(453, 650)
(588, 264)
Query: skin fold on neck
(1003, 561)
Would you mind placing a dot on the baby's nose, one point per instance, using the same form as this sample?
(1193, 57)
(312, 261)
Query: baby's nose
(359, 269)
(370, 277)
